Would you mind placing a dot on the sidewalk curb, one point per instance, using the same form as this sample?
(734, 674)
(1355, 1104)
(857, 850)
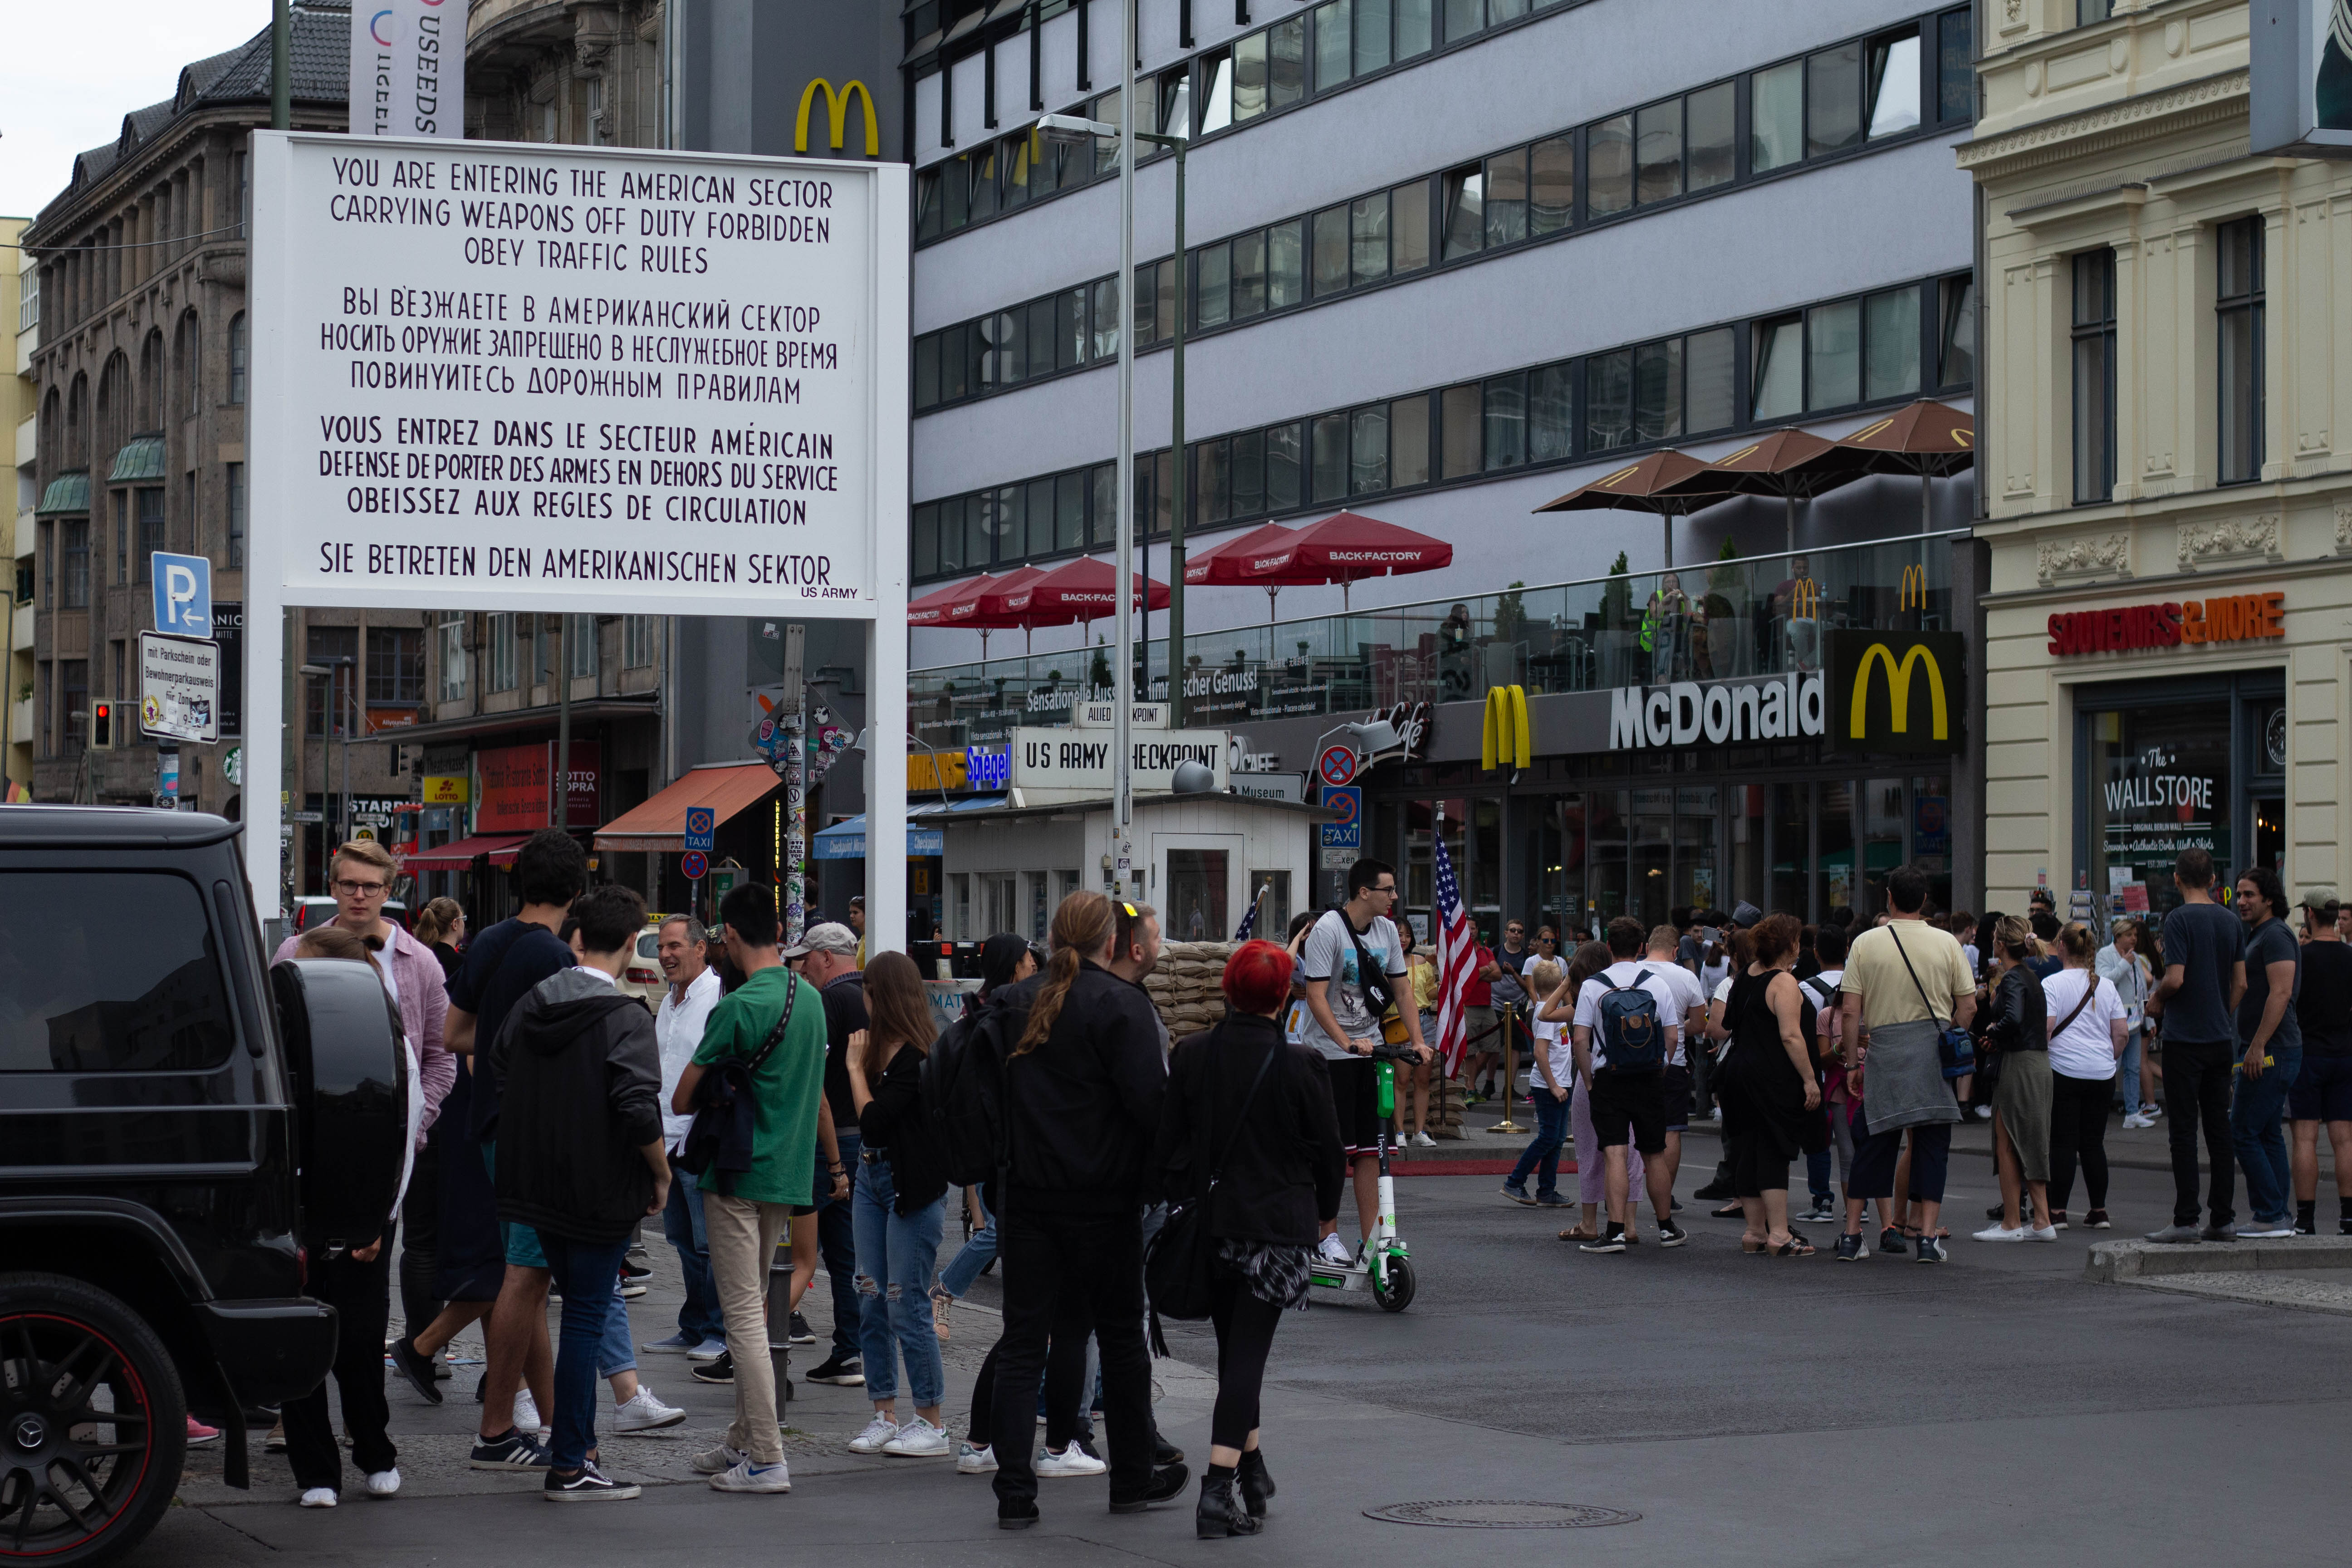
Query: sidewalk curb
(2126, 1262)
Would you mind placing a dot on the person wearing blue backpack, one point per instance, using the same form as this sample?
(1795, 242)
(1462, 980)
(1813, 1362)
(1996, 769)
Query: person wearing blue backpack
(1627, 1021)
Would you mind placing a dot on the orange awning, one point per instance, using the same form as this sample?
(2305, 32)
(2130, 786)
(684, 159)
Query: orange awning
(658, 826)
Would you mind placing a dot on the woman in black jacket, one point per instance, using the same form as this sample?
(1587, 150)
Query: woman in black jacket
(898, 1208)
(2018, 1036)
(1252, 1115)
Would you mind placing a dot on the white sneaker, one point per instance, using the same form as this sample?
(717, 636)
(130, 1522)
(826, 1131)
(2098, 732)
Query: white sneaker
(1331, 1249)
(746, 1477)
(319, 1497)
(1996, 1231)
(1421, 1140)
(2137, 1121)
(708, 1349)
(2041, 1233)
(723, 1457)
(526, 1414)
(918, 1439)
(644, 1413)
(879, 1431)
(1073, 1460)
(383, 1483)
(2253, 1232)
(972, 1461)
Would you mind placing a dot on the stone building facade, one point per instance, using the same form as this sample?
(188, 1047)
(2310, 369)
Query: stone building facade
(2166, 461)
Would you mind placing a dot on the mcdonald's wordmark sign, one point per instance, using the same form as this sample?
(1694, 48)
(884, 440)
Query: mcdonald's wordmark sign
(1897, 691)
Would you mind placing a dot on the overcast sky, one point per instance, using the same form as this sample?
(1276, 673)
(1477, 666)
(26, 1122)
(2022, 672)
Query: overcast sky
(72, 70)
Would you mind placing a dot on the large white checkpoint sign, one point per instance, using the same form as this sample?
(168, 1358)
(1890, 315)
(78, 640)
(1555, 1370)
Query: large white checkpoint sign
(570, 377)
(532, 377)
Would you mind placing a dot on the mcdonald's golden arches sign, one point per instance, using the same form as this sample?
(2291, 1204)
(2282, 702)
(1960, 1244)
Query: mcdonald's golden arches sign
(837, 121)
(1897, 691)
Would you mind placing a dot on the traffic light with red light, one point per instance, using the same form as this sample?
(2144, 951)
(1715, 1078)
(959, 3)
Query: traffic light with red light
(101, 726)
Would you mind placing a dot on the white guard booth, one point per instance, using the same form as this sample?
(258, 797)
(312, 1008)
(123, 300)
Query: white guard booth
(527, 377)
(1007, 860)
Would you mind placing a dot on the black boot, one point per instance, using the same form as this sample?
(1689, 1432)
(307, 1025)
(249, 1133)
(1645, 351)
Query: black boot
(1256, 1482)
(1220, 1512)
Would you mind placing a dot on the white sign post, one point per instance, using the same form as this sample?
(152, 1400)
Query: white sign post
(179, 687)
(539, 378)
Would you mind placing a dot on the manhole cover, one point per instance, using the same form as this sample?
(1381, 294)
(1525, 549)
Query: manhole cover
(1474, 1515)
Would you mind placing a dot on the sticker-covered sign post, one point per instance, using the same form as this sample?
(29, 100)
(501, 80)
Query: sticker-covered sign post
(540, 378)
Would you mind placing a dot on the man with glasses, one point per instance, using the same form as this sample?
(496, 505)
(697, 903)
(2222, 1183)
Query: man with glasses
(1355, 970)
(361, 877)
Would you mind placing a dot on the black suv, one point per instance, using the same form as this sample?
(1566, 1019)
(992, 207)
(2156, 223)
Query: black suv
(181, 1129)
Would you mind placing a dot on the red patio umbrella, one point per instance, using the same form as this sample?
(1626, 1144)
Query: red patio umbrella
(1344, 548)
(1084, 590)
(932, 609)
(1221, 565)
(985, 611)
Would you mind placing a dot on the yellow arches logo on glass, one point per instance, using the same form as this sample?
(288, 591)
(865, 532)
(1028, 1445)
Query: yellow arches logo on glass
(1504, 741)
(836, 112)
(1923, 686)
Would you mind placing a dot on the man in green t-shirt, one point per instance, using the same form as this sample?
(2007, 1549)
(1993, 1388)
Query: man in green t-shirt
(746, 1213)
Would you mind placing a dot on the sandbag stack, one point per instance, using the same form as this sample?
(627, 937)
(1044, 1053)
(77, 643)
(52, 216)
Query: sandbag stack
(1184, 988)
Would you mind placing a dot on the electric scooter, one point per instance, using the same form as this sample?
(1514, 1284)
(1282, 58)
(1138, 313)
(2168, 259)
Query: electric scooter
(1386, 1269)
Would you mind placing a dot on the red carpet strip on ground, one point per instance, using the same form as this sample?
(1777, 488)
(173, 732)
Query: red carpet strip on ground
(1465, 1167)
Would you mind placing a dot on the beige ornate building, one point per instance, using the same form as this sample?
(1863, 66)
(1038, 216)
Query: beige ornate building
(2167, 420)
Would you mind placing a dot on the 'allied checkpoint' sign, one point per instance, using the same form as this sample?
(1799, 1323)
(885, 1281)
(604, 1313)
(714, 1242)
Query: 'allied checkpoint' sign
(527, 377)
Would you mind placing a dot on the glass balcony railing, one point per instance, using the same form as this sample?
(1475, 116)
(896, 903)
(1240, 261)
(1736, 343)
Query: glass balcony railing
(1751, 615)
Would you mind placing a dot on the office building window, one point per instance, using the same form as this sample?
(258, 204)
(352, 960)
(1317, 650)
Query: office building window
(2239, 307)
(1956, 69)
(1658, 151)
(1551, 412)
(1551, 185)
(73, 548)
(1833, 101)
(73, 696)
(1367, 237)
(121, 663)
(1776, 117)
(1894, 84)
(1658, 391)
(45, 713)
(1330, 251)
(640, 640)
(149, 506)
(1779, 374)
(1466, 212)
(1891, 344)
(235, 500)
(1833, 354)
(2089, 10)
(1368, 451)
(1708, 372)
(586, 655)
(1609, 166)
(498, 640)
(236, 351)
(1334, 45)
(1506, 195)
(449, 633)
(327, 699)
(2094, 377)
(121, 537)
(1409, 442)
(1409, 227)
(1957, 361)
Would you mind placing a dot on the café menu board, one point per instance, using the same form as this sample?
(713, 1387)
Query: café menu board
(588, 378)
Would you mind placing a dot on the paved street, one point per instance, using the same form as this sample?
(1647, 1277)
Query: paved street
(1807, 1410)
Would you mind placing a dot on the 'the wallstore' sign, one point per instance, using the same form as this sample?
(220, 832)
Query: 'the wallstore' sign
(2235, 617)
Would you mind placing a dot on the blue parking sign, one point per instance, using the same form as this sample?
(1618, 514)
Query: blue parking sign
(183, 593)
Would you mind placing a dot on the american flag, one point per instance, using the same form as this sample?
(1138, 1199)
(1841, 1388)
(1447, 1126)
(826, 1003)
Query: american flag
(1458, 957)
(1249, 920)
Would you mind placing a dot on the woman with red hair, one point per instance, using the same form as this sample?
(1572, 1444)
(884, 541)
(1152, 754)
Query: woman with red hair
(1248, 1122)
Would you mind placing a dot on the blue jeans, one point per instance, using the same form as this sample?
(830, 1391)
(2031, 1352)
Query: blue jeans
(978, 1253)
(2256, 1109)
(1542, 1154)
(2127, 1079)
(836, 1243)
(587, 1273)
(898, 1258)
(699, 1318)
(616, 1352)
(1817, 1174)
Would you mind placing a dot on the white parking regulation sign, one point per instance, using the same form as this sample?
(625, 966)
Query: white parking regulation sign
(179, 687)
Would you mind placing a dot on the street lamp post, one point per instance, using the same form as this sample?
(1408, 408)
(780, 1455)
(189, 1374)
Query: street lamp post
(1071, 129)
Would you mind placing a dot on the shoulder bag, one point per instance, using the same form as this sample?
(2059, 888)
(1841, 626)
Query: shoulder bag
(1379, 1001)
(1176, 1265)
(725, 1122)
(1954, 1047)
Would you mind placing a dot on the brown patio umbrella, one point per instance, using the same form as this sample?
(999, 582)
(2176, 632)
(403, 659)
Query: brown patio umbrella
(1655, 483)
(1927, 438)
(1785, 463)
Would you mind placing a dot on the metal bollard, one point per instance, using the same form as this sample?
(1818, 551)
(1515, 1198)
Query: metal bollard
(1510, 1070)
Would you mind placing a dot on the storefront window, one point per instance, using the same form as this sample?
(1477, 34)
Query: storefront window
(1694, 882)
(1792, 856)
(1653, 830)
(2159, 783)
(1421, 881)
(1608, 814)
(1749, 806)
(1833, 846)
(1882, 840)
(1931, 837)
(1196, 896)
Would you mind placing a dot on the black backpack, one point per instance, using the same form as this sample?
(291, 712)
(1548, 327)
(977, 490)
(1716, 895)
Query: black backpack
(963, 1097)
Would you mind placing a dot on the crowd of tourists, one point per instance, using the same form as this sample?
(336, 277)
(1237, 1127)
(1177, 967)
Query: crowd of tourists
(789, 1107)
(1858, 1048)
